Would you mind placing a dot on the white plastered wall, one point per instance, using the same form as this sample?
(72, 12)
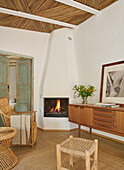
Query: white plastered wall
(98, 41)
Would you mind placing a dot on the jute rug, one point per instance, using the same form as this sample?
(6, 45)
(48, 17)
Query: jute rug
(43, 155)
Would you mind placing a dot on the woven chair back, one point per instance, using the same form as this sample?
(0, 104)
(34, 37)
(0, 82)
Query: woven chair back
(5, 107)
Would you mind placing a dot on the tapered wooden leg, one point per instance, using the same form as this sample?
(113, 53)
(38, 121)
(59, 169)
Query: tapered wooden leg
(58, 154)
(90, 130)
(87, 160)
(96, 155)
(71, 161)
(71, 157)
(79, 129)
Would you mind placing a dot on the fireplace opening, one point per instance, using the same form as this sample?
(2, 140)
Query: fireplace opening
(56, 107)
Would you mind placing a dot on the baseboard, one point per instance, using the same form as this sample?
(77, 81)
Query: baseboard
(40, 128)
(68, 130)
(57, 130)
(103, 136)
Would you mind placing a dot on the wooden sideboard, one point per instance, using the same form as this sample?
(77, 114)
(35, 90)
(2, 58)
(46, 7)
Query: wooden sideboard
(110, 120)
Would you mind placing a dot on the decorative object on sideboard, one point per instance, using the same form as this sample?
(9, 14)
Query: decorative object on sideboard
(112, 83)
(84, 92)
(108, 105)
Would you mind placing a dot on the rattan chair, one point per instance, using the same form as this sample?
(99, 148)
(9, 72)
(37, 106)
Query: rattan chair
(6, 111)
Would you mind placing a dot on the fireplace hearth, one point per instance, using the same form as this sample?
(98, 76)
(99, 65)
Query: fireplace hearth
(56, 107)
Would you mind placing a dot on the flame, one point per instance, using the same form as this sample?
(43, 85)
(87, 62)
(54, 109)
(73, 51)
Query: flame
(57, 108)
(52, 110)
(58, 105)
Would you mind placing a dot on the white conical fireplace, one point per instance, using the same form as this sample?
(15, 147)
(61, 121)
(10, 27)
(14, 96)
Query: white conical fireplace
(60, 75)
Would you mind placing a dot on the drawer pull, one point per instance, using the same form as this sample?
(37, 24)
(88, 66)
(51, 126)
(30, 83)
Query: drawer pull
(100, 110)
(98, 114)
(102, 120)
(107, 126)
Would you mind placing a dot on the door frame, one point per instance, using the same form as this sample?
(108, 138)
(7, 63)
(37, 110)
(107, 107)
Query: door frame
(17, 55)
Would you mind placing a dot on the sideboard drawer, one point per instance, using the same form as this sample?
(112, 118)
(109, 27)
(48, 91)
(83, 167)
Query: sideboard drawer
(104, 119)
(102, 125)
(105, 113)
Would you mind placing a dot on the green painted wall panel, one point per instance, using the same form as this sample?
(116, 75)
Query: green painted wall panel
(23, 85)
(3, 76)
(23, 74)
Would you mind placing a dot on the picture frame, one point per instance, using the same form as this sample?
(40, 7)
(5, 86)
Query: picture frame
(112, 83)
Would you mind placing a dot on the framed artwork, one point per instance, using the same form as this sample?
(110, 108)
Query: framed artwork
(112, 83)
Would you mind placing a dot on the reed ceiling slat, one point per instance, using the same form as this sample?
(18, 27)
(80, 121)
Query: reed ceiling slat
(97, 4)
(65, 14)
(48, 9)
(27, 24)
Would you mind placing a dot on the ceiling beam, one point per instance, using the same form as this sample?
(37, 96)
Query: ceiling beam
(35, 17)
(79, 6)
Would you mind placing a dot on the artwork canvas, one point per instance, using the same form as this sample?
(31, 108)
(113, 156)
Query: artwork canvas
(115, 84)
(112, 83)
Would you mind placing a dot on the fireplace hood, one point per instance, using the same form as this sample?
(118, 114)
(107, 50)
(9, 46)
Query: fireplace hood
(61, 72)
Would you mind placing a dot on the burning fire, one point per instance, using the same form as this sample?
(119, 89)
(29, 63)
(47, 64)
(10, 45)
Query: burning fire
(57, 108)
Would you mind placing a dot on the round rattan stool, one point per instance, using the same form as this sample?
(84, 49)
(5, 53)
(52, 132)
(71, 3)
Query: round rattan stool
(7, 159)
(78, 147)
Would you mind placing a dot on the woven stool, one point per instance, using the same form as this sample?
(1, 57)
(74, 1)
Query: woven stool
(78, 147)
(7, 158)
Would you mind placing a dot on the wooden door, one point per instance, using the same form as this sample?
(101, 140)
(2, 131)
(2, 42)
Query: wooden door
(74, 113)
(4, 76)
(120, 122)
(86, 116)
(23, 81)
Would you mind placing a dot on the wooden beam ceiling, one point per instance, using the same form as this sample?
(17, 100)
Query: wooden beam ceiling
(35, 17)
(79, 6)
(49, 9)
(26, 24)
